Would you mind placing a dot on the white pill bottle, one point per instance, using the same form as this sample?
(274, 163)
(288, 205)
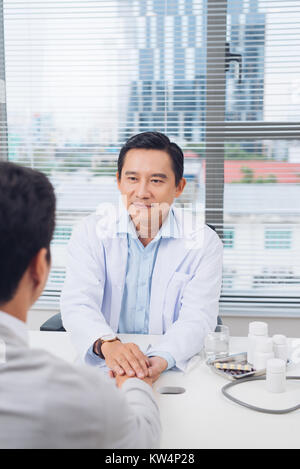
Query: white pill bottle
(276, 375)
(257, 330)
(262, 353)
(280, 346)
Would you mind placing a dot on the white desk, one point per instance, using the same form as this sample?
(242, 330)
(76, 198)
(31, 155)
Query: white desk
(202, 417)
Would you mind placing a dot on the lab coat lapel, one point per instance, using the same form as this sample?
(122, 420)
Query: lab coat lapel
(116, 261)
(169, 256)
(116, 246)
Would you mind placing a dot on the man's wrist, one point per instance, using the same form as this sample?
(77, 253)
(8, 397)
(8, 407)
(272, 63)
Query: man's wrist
(97, 348)
(98, 344)
(106, 345)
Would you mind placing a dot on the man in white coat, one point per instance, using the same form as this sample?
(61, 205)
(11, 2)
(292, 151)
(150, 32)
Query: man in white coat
(147, 268)
(46, 402)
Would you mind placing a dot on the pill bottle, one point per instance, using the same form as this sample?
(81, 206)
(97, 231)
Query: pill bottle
(280, 347)
(276, 375)
(256, 330)
(262, 353)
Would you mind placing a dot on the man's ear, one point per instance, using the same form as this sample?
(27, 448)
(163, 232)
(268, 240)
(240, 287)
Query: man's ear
(180, 187)
(39, 270)
(118, 180)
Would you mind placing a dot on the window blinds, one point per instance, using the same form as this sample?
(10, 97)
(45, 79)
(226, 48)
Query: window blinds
(83, 76)
(262, 159)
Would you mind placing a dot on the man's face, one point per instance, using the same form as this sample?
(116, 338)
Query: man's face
(147, 184)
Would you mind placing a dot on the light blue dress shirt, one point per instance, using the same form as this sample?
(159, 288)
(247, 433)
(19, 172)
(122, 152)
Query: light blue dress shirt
(134, 316)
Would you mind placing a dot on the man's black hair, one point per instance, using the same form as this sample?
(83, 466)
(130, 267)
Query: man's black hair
(155, 141)
(27, 222)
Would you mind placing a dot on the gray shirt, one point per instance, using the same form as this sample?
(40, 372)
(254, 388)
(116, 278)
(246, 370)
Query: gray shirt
(46, 402)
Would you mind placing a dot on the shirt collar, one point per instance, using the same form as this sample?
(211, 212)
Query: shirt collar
(169, 228)
(15, 325)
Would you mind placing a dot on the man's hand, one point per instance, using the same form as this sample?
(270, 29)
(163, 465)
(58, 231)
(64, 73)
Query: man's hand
(157, 366)
(125, 359)
(120, 380)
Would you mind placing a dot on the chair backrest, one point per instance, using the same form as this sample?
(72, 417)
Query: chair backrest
(219, 321)
(53, 324)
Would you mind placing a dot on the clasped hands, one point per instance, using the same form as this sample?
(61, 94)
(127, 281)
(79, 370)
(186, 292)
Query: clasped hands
(126, 360)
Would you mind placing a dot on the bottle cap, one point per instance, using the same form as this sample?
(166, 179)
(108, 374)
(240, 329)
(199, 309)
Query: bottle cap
(264, 345)
(258, 328)
(279, 339)
(275, 365)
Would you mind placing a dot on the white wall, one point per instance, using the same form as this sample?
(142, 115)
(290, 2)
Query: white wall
(287, 326)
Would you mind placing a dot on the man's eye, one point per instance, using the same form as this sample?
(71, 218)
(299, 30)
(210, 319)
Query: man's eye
(132, 178)
(156, 181)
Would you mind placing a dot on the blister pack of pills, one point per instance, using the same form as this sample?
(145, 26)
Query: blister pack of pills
(233, 367)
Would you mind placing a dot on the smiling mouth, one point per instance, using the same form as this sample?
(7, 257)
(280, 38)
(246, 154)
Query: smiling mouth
(140, 205)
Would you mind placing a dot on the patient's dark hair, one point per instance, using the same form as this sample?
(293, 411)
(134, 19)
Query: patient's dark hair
(27, 222)
(155, 141)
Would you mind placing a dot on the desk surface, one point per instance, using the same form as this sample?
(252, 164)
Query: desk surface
(202, 417)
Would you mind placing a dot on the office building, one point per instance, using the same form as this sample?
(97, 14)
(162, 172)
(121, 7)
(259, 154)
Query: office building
(168, 91)
(169, 87)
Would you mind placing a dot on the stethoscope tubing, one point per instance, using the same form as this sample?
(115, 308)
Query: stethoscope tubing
(252, 407)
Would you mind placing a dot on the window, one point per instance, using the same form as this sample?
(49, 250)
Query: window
(80, 77)
(279, 278)
(62, 235)
(228, 278)
(261, 157)
(275, 239)
(228, 238)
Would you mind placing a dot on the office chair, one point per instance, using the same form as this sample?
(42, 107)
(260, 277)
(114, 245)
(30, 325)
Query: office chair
(53, 324)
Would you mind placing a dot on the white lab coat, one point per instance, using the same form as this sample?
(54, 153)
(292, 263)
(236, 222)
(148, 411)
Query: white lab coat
(185, 288)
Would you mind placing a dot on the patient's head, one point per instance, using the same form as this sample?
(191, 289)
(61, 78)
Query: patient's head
(27, 221)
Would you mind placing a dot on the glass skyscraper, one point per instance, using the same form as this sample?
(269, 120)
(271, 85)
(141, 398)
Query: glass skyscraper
(168, 90)
(246, 36)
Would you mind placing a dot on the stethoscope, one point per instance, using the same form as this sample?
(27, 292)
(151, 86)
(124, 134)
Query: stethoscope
(253, 407)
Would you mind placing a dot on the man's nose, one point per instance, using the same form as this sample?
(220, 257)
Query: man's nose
(142, 191)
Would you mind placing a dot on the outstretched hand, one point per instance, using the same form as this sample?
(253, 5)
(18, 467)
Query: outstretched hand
(120, 380)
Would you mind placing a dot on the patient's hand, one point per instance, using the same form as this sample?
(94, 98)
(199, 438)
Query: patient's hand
(120, 380)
